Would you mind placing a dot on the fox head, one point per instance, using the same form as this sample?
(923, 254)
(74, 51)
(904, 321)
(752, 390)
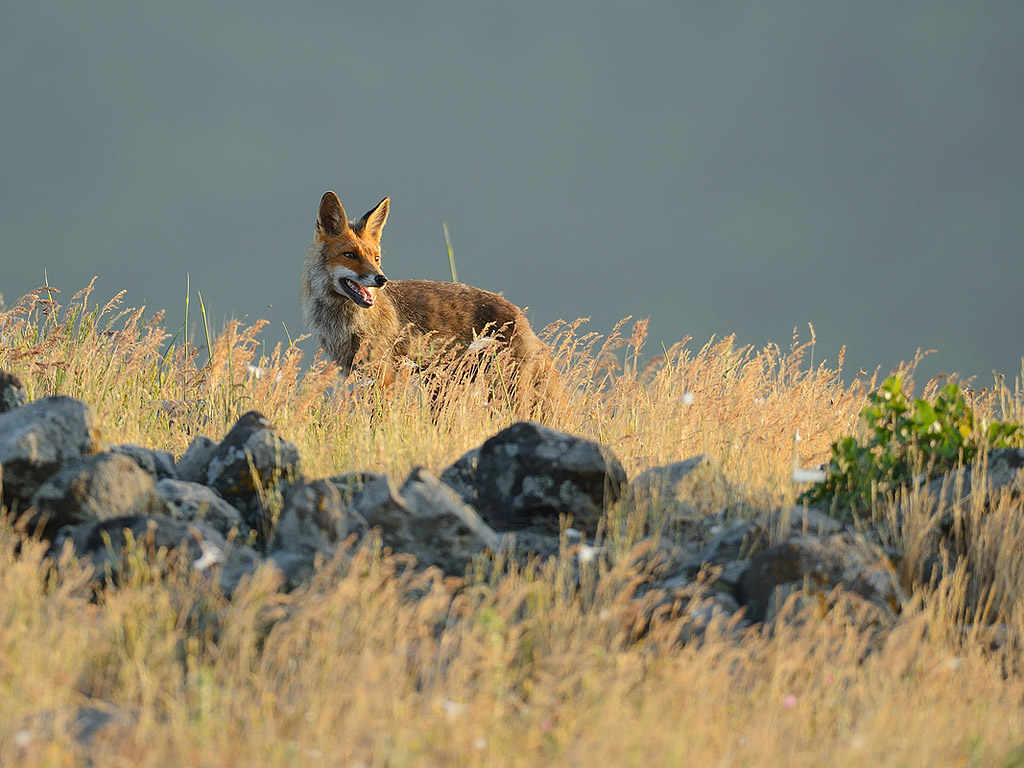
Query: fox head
(351, 250)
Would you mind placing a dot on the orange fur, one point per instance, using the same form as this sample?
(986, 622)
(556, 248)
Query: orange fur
(352, 307)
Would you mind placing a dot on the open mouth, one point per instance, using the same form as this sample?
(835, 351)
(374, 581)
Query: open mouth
(356, 292)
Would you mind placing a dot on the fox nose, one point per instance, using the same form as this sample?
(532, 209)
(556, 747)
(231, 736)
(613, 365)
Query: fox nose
(380, 280)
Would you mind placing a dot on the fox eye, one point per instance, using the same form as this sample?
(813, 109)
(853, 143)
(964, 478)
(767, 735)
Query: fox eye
(349, 255)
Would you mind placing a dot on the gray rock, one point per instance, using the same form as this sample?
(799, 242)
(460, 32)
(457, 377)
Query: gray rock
(738, 541)
(527, 544)
(663, 564)
(954, 491)
(201, 547)
(462, 475)
(820, 565)
(296, 567)
(37, 439)
(12, 392)
(699, 609)
(159, 464)
(194, 462)
(730, 577)
(727, 544)
(97, 725)
(665, 592)
(94, 488)
(1005, 470)
(529, 475)
(351, 484)
(954, 499)
(710, 608)
(426, 518)
(314, 519)
(671, 488)
(250, 463)
(190, 502)
(811, 521)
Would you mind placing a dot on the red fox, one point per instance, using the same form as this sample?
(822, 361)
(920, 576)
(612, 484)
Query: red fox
(354, 309)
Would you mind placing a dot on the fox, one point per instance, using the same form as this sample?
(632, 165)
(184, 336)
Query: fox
(358, 314)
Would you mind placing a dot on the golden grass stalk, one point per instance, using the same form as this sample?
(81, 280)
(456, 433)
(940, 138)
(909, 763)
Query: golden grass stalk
(376, 664)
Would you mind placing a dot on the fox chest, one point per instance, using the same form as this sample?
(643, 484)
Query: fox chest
(344, 329)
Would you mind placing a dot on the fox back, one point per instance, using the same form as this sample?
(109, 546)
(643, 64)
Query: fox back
(354, 309)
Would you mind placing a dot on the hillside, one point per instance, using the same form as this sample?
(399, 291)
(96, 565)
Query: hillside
(367, 596)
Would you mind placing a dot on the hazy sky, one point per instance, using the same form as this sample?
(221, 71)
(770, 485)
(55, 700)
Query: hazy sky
(721, 167)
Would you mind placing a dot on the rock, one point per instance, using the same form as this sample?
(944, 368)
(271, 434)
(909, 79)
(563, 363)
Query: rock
(1003, 473)
(819, 565)
(528, 543)
(1005, 470)
(159, 464)
(708, 608)
(664, 592)
(426, 518)
(314, 519)
(737, 541)
(674, 490)
(192, 502)
(94, 488)
(252, 460)
(529, 475)
(202, 547)
(12, 392)
(796, 605)
(696, 609)
(192, 466)
(37, 439)
(955, 500)
(295, 566)
(808, 520)
(351, 484)
(663, 564)
(95, 728)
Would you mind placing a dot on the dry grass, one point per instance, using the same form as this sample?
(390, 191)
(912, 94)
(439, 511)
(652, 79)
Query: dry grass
(515, 667)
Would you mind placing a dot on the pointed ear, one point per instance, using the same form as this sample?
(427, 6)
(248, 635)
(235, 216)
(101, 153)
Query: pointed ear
(373, 222)
(331, 219)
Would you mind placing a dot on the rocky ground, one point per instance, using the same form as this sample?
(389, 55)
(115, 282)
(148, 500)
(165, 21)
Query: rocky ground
(529, 491)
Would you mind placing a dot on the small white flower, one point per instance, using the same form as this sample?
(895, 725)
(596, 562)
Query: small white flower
(211, 555)
(452, 708)
(24, 738)
(687, 398)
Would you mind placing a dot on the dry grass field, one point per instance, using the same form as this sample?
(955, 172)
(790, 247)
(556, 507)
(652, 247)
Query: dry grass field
(373, 664)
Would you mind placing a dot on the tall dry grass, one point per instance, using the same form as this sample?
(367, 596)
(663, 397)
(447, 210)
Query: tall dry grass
(373, 664)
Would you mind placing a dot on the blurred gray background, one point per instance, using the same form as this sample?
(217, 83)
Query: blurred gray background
(738, 167)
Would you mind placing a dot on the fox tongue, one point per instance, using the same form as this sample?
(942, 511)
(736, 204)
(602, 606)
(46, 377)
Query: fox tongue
(364, 294)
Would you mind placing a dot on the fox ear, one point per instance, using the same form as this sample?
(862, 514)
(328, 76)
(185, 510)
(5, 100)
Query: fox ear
(373, 222)
(331, 219)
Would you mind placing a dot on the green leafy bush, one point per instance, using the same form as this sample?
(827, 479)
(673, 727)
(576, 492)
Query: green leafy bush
(903, 439)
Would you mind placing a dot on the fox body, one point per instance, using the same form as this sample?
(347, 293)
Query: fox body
(351, 305)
